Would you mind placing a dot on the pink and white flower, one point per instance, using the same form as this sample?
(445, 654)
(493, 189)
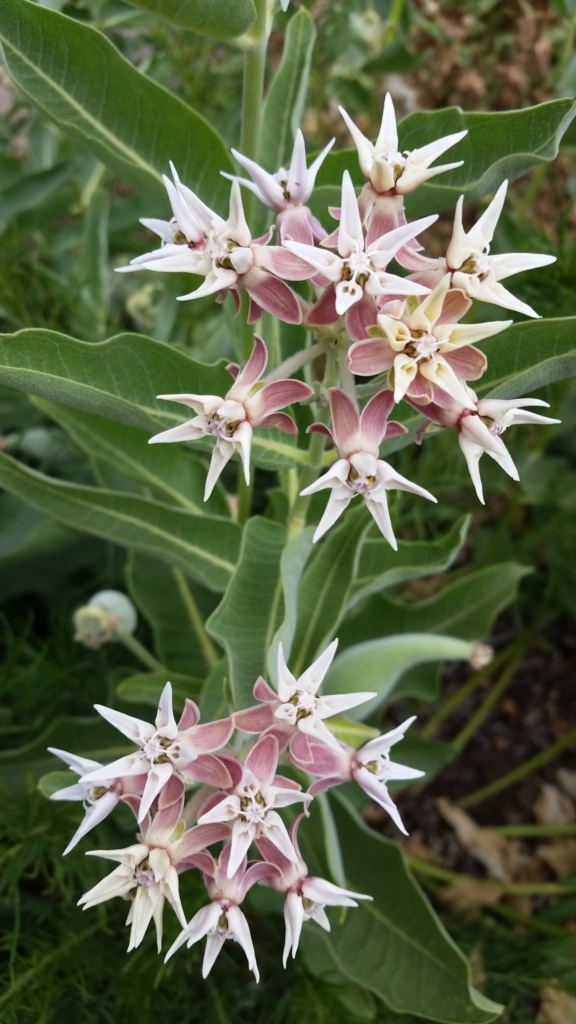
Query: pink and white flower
(306, 896)
(370, 767)
(357, 272)
(252, 805)
(248, 404)
(147, 873)
(385, 167)
(222, 919)
(470, 265)
(99, 799)
(223, 252)
(359, 471)
(297, 707)
(425, 347)
(480, 426)
(167, 748)
(288, 191)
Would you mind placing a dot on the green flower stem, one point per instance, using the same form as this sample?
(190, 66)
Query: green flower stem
(533, 831)
(297, 519)
(490, 701)
(140, 652)
(297, 361)
(347, 382)
(244, 495)
(464, 691)
(422, 867)
(207, 646)
(520, 771)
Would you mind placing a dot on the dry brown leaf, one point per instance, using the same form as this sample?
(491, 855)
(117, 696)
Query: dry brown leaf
(552, 807)
(567, 780)
(501, 857)
(557, 1007)
(414, 847)
(560, 855)
(468, 894)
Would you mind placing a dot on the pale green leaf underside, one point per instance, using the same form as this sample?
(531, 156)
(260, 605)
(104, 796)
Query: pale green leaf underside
(205, 546)
(221, 18)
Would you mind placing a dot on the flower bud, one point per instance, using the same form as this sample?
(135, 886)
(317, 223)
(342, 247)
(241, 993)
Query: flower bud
(107, 615)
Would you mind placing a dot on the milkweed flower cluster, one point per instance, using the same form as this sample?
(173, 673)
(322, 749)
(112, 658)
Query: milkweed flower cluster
(193, 785)
(400, 326)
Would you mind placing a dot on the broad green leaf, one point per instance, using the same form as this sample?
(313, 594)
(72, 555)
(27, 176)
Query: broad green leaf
(170, 472)
(286, 95)
(91, 737)
(499, 145)
(176, 609)
(250, 611)
(77, 78)
(464, 609)
(395, 946)
(294, 558)
(531, 354)
(380, 567)
(324, 589)
(36, 552)
(146, 687)
(221, 18)
(205, 546)
(120, 379)
(377, 665)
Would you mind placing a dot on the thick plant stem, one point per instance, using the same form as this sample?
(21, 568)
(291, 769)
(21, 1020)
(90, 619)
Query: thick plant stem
(208, 649)
(297, 518)
(141, 653)
(518, 773)
(297, 361)
(479, 717)
(464, 691)
(252, 98)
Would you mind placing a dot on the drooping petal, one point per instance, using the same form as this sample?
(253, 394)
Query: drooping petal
(345, 421)
(252, 371)
(94, 815)
(278, 259)
(373, 421)
(337, 503)
(367, 358)
(272, 294)
(379, 793)
(324, 310)
(263, 759)
(220, 458)
(360, 316)
(239, 927)
(275, 396)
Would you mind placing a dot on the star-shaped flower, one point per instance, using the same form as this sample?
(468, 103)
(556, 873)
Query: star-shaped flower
(248, 404)
(359, 470)
(470, 265)
(357, 272)
(370, 767)
(252, 805)
(167, 748)
(288, 191)
(425, 347)
(385, 167)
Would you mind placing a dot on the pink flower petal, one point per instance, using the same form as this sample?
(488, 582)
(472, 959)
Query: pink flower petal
(196, 839)
(272, 295)
(189, 716)
(468, 362)
(360, 316)
(205, 739)
(252, 371)
(262, 691)
(280, 421)
(324, 310)
(263, 759)
(394, 429)
(373, 423)
(255, 719)
(282, 262)
(455, 305)
(209, 769)
(367, 358)
(274, 397)
(254, 312)
(345, 421)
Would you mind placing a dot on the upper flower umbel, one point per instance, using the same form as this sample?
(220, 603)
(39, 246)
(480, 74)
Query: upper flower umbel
(288, 191)
(359, 470)
(470, 265)
(199, 241)
(358, 272)
(167, 748)
(231, 420)
(426, 347)
(385, 167)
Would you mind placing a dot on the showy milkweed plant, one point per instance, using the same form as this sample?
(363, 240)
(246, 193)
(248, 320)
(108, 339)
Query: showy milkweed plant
(364, 344)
